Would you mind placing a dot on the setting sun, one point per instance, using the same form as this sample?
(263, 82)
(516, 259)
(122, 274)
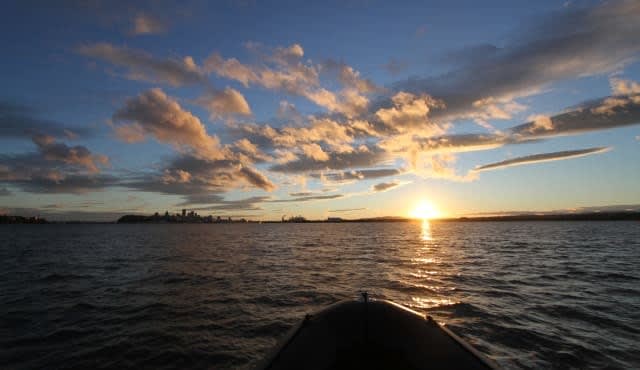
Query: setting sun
(425, 210)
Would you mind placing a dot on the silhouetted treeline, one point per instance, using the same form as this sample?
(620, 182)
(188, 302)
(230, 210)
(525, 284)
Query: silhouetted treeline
(5, 219)
(594, 216)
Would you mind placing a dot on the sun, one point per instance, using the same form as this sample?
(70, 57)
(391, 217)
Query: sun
(425, 210)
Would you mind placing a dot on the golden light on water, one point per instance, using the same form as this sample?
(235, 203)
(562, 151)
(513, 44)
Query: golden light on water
(426, 231)
(425, 210)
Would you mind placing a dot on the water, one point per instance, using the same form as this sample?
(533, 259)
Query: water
(529, 294)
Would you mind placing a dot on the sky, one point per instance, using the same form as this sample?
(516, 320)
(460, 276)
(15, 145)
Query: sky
(322, 109)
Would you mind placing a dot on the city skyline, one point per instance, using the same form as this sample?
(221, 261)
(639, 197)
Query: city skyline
(350, 109)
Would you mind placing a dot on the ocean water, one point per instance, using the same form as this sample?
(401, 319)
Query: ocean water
(527, 294)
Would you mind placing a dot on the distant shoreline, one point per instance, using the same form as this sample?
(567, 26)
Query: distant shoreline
(138, 219)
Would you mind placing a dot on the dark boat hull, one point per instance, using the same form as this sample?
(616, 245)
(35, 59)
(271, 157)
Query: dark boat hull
(373, 335)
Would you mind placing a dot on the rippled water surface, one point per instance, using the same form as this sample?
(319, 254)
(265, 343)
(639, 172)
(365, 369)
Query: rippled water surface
(527, 294)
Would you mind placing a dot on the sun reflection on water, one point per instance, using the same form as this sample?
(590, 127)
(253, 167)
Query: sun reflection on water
(426, 231)
(426, 273)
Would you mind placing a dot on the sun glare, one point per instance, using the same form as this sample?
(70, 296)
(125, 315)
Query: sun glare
(425, 210)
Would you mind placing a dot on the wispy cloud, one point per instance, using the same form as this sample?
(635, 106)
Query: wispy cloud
(246, 204)
(543, 157)
(364, 174)
(19, 121)
(384, 186)
(346, 210)
(142, 66)
(575, 42)
(307, 198)
(147, 24)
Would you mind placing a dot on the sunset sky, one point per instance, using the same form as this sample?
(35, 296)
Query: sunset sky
(331, 109)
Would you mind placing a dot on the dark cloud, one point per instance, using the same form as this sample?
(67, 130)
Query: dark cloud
(359, 174)
(543, 157)
(461, 142)
(384, 186)
(198, 180)
(307, 198)
(72, 184)
(247, 204)
(336, 161)
(566, 44)
(55, 168)
(601, 114)
(76, 155)
(202, 199)
(22, 122)
(256, 179)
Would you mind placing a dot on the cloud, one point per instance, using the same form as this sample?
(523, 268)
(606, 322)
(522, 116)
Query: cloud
(76, 155)
(544, 157)
(247, 204)
(324, 132)
(142, 66)
(307, 198)
(156, 114)
(454, 143)
(256, 179)
(249, 152)
(283, 69)
(395, 67)
(567, 44)
(288, 110)
(302, 194)
(587, 117)
(363, 157)
(349, 77)
(346, 210)
(4, 192)
(21, 122)
(599, 114)
(315, 152)
(146, 24)
(199, 180)
(33, 173)
(384, 186)
(74, 184)
(410, 112)
(55, 168)
(624, 87)
(287, 73)
(365, 174)
(225, 103)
